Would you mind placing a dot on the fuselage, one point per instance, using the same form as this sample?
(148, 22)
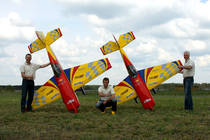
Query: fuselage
(138, 83)
(69, 97)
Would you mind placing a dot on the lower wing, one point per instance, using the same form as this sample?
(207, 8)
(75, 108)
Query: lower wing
(78, 77)
(152, 76)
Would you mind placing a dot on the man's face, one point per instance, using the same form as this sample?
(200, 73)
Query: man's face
(105, 83)
(186, 56)
(28, 58)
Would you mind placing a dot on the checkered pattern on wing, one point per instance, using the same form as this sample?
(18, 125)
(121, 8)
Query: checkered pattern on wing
(107, 47)
(35, 46)
(168, 70)
(36, 98)
(54, 34)
(94, 69)
(127, 37)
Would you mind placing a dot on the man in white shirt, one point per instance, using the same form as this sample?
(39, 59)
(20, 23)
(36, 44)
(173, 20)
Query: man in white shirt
(28, 70)
(188, 74)
(107, 97)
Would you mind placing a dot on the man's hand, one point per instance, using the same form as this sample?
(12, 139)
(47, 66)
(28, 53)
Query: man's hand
(180, 66)
(30, 77)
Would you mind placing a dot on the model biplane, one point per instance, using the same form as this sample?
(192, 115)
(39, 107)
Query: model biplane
(138, 83)
(64, 82)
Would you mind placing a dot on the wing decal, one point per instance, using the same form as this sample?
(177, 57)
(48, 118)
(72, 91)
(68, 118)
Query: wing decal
(124, 91)
(46, 94)
(80, 75)
(159, 74)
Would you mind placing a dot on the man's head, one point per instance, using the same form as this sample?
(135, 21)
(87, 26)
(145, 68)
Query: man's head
(28, 58)
(186, 55)
(106, 82)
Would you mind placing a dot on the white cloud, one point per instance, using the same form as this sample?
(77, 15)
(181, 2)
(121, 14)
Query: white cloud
(203, 61)
(14, 28)
(195, 45)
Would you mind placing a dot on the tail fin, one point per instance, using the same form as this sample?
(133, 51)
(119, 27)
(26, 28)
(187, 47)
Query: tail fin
(42, 41)
(123, 40)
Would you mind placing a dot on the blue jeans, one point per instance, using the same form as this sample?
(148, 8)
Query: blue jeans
(112, 103)
(188, 83)
(27, 88)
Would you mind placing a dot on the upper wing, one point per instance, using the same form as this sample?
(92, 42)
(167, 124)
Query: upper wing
(153, 77)
(125, 39)
(82, 74)
(78, 76)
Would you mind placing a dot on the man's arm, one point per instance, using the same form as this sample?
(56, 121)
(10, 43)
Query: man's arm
(110, 98)
(28, 77)
(45, 65)
(185, 67)
(100, 94)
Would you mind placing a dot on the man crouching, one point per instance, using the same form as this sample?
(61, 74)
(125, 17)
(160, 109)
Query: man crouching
(107, 97)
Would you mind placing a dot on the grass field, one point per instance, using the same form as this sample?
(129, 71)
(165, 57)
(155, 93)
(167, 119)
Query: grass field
(169, 121)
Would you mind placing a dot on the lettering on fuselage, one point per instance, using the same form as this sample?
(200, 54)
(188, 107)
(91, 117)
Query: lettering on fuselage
(147, 100)
(153, 77)
(124, 92)
(79, 76)
(70, 101)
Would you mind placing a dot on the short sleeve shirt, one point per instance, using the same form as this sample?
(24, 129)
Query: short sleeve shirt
(108, 90)
(29, 69)
(190, 72)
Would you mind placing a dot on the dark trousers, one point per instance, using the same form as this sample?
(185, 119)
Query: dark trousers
(27, 87)
(112, 103)
(188, 83)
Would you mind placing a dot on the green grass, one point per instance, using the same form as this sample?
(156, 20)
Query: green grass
(169, 121)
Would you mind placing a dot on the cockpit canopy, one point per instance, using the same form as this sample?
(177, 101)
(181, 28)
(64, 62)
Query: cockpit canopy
(56, 70)
(132, 71)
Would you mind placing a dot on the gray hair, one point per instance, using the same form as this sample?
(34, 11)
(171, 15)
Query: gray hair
(187, 52)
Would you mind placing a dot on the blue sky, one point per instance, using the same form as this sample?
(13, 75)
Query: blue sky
(163, 31)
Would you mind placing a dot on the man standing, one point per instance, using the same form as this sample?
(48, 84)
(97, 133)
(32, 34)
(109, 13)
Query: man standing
(188, 74)
(28, 70)
(107, 97)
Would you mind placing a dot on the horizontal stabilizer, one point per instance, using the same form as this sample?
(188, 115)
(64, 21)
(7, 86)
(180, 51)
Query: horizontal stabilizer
(36, 46)
(52, 36)
(125, 39)
(43, 41)
(111, 46)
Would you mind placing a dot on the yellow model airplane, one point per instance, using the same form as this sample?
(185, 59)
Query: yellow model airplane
(65, 82)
